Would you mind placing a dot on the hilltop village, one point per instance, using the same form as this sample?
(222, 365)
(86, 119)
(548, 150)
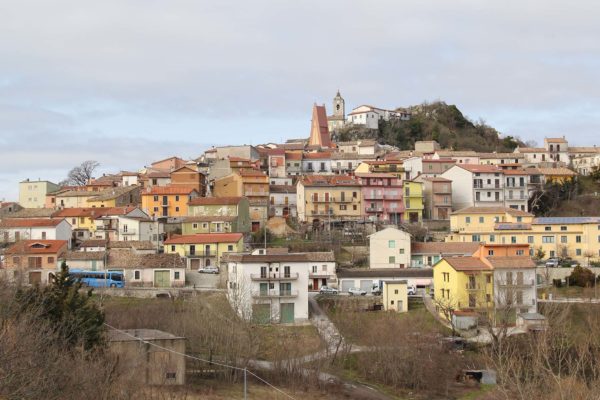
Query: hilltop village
(282, 231)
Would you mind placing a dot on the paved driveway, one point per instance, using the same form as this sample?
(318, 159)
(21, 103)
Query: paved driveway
(194, 278)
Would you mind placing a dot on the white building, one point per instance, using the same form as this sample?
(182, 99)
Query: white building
(271, 285)
(316, 163)
(389, 248)
(515, 283)
(476, 185)
(367, 278)
(15, 229)
(370, 116)
(282, 201)
(584, 165)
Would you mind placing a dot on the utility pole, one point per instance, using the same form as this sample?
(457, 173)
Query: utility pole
(245, 385)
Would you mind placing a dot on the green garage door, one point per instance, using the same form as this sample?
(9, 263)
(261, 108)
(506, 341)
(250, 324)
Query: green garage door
(261, 313)
(287, 313)
(162, 279)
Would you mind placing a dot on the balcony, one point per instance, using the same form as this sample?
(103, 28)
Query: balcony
(274, 276)
(374, 209)
(266, 294)
(398, 196)
(517, 284)
(127, 232)
(332, 199)
(373, 196)
(200, 253)
(318, 275)
(474, 287)
(106, 227)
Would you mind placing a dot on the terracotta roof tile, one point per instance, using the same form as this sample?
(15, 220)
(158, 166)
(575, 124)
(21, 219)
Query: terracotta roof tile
(467, 264)
(37, 247)
(29, 223)
(202, 238)
(444, 248)
(492, 210)
(166, 190)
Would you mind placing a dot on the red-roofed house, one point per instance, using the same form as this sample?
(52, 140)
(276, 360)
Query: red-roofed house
(204, 249)
(167, 201)
(32, 261)
(14, 230)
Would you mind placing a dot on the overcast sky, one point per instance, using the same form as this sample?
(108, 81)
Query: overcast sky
(126, 82)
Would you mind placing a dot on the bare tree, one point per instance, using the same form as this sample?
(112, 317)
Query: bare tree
(446, 306)
(81, 174)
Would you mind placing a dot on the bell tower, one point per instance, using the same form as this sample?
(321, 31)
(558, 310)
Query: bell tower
(339, 106)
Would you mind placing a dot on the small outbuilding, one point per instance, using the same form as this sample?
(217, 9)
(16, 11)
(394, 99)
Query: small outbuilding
(395, 296)
(150, 356)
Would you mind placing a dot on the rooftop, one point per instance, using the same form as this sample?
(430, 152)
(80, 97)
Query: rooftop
(280, 257)
(37, 247)
(492, 210)
(129, 335)
(467, 264)
(444, 248)
(30, 222)
(202, 238)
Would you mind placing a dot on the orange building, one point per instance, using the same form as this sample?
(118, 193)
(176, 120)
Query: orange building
(34, 260)
(189, 177)
(168, 201)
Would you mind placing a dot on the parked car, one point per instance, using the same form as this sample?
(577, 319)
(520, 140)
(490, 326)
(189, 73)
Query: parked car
(376, 290)
(328, 290)
(356, 291)
(552, 263)
(412, 290)
(208, 270)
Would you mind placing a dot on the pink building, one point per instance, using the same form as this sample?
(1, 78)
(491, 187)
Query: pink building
(382, 196)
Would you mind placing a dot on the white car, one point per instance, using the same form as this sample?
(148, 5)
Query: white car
(412, 290)
(327, 290)
(356, 291)
(208, 270)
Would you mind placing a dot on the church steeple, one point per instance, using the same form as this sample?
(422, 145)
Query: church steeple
(339, 106)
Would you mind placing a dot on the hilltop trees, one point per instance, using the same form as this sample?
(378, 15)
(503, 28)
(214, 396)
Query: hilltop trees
(81, 174)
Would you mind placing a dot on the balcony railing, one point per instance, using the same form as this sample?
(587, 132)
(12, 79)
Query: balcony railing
(332, 199)
(275, 293)
(200, 253)
(470, 286)
(127, 232)
(374, 209)
(274, 276)
(373, 196)
(515, 283)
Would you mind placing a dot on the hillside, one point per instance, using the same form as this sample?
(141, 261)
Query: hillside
(436, 121)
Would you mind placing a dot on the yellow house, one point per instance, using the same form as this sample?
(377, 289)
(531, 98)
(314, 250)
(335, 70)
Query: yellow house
(413, 201)
(463, 283)
(115, 197)
(167, 201)
(204, 249)
(322, 198)
(388, 166)
(574, 237)
(395, 296)
(557, 175)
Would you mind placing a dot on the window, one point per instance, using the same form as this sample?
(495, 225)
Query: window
(136, 275)
(50, 260)
(513, 239)
(481, 219)
(314, 269)
(177, 198)
(530, 239)
(475, 238)
(171, 375)
(392, 260)
(490, 252)
(194, 226)
(492, 238)
(354, 207)
(155, 198)
(401, 251)
(354, 195)
(519, 219)
(229, 247)
(488, 279)
(547, 239)
(488, 297)
(392, 302)
(563, 239)
(577, 239)
(342, 207)
(468, 220)
(520, 252)
(395, 291)
(172, 247)
(391, 244)
(176, 209)
(577, 252)
(547, 228)
(155, 209)
(563, 228)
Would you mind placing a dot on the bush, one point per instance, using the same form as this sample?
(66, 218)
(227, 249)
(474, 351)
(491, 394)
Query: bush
(583, 277)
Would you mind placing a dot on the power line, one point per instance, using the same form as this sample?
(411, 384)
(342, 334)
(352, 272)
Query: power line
(245, 370)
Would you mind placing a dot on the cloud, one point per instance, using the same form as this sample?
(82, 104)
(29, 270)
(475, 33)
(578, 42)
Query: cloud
(159, 78)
